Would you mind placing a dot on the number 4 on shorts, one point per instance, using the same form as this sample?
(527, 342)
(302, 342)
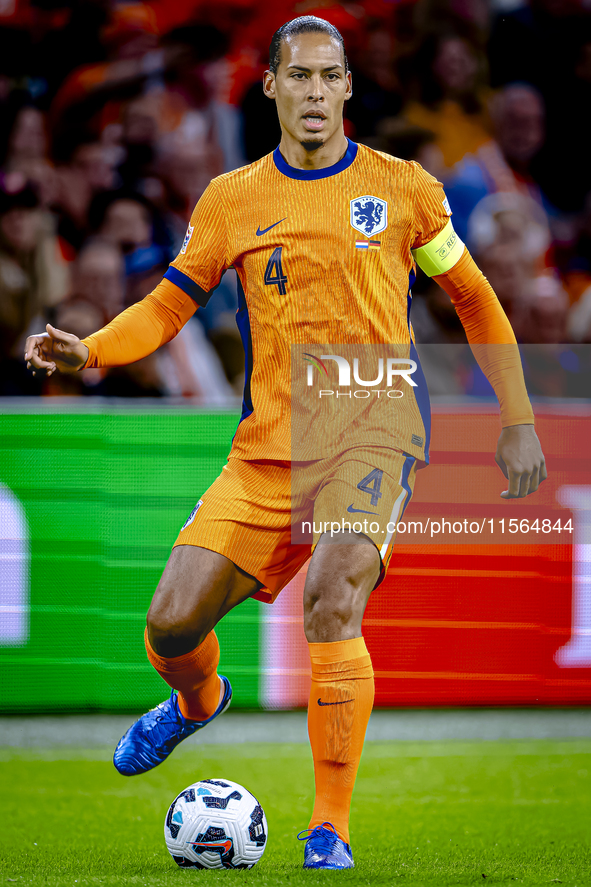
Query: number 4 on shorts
(371, 484)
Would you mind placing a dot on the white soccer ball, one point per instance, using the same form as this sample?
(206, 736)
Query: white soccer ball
(215, 824)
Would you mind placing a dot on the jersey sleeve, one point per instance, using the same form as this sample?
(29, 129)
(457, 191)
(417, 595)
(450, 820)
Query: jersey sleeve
(198, 268)
(141, 328)
(431, 209)
(436, 247)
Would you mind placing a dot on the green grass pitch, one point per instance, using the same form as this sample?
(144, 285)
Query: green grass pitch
(442, 813)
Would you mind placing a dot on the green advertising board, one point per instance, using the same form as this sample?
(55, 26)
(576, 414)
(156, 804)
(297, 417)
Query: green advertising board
(100, 494)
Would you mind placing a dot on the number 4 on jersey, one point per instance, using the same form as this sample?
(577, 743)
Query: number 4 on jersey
(274, 272)
(371, 484)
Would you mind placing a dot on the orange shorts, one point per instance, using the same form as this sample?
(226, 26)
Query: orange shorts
(267, 517)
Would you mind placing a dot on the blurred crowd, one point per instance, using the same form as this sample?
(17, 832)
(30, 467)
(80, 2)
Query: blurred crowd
(116, 115)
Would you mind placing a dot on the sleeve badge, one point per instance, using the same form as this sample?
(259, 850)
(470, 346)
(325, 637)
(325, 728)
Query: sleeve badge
(188, 236)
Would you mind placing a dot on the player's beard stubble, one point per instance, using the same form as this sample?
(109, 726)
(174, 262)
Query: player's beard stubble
(312, 144)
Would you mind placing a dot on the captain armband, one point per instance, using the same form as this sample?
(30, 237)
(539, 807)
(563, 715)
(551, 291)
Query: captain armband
(441, 253)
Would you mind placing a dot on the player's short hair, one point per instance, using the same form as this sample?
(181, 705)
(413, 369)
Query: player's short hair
(305, 24)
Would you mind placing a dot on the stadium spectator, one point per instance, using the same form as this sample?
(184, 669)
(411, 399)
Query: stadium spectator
(501, 164)
(182, 104)
(27, 138)
(193, 369)
(85, 168)
(552, 367)
(377, 91)
(578, 280)
(450, 95)
(471, 18)
(140, 100)
(33, 273)
(187, 160)
(509, 234)
(542, 311)
(92, 94)
(546, 43)
(96, 162)
(399, 138)
(128, 221)
(124, 220)
(25, 149)
(98, 277)
(575, 257)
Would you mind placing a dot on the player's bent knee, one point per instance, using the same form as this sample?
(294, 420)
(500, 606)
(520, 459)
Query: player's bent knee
(339, 583)
(339, 612)
(175, 640)
(349, 558)
(173, 632)
(330, 618)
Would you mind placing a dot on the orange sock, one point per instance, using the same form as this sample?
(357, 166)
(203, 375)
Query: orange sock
(340, 704)
(194, 675)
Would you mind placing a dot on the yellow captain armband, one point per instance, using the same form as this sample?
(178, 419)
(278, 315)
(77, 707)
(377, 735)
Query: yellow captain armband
(441, 253)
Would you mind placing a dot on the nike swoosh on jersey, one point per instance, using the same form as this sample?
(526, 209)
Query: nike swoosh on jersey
(352, 510)
(264, 231)
(342, 702)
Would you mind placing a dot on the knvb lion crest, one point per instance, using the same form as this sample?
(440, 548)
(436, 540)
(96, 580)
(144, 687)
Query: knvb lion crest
(369, 215)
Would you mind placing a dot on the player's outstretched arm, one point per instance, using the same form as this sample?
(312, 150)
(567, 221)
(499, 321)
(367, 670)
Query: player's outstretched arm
(55, 350)
(142, 328)
(519, 454)
(132, 335)
(444, 257)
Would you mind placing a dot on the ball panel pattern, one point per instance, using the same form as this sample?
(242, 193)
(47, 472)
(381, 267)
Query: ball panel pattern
(215, 824)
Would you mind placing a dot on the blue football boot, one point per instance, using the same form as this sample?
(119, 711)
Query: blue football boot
(150, 740)
(324, 849)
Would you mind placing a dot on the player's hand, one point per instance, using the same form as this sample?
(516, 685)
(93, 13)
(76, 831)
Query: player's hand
(55, 350)
(520, 458)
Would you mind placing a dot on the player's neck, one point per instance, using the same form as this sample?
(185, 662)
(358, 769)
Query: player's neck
(327, 154)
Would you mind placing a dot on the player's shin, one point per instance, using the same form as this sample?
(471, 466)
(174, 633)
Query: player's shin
(341, 701)
(194, 675)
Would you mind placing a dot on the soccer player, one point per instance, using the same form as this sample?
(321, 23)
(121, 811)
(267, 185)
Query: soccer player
(323, 234)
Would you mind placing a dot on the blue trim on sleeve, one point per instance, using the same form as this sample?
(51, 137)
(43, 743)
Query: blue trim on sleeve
(421, 391)
(188, 286)
(408, 464)
(311, 174)
(243, 324)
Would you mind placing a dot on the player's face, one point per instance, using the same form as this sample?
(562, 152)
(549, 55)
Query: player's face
(310, 88)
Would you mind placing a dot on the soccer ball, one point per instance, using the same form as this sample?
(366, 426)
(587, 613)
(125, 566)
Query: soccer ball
(215, 824)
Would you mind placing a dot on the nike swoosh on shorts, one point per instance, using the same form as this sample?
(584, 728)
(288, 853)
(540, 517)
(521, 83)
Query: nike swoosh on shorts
(352, 510)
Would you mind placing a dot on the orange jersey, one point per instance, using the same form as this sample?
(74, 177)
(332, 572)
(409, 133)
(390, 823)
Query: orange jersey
(325, 267)
(323, 257)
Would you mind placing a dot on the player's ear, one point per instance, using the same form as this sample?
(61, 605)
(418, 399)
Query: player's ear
(269, 84)
(349, 91)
